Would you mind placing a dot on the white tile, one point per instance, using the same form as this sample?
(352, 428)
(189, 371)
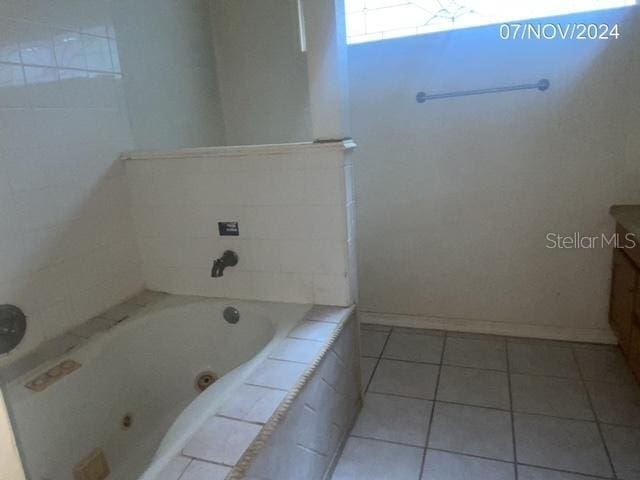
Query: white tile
(9, 49)
(604, 365)
(472, 430)
(394, 419)
(558, 397)
(221, 440)
(331, 290)
(623, 444)
(205, 471)
(416, 380)
(470, 386)
(415, 348)
(367, 365)
(96, 50)
(542, 359)
(450, 466)
(562, 444)
(475, 353)
(326, 313)
(326, 187)
(313, 330)
(253, 404)
(372, 342)
(296, 256)
(36, 45)
(533, 473)
(616, 404)
(297, 350)
(69, 49)
(277, 374)
(329, 222)
(364, 459)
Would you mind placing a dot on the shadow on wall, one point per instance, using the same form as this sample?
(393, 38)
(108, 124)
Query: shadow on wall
(484, 179)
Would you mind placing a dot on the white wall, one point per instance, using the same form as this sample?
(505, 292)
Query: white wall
(261, 70)
(294, 207)
(169, 70)
(455, 196)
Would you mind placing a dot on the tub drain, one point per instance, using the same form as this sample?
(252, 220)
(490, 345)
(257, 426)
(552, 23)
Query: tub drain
(204, 380)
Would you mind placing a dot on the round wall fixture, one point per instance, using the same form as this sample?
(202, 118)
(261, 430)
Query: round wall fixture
(13, 325)
(231, 315)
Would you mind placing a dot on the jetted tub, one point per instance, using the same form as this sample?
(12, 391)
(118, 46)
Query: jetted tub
(143, 371)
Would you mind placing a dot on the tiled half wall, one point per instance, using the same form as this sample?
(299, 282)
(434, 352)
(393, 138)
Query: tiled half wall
(294, 204)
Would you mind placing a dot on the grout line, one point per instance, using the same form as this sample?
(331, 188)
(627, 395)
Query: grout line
(471, 455)
(497, 409)
(375, 367)
(579, 474)
(433, 407)
(595, 415)
(513, 423)
(391, 442)
(509, 373)
(237, 419)
(445, 364)
(288, 361)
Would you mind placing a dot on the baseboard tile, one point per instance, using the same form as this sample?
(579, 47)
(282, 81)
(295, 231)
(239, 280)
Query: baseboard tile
(572, 334)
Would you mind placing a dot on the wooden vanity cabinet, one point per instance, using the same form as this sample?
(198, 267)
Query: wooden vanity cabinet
(624, 310)
(623, 292)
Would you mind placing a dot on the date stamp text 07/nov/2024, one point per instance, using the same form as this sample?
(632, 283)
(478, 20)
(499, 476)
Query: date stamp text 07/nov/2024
(559, 31)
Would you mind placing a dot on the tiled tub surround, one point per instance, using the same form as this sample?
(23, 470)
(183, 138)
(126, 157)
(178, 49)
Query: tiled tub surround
(67, 249)
(294, 204)
(454, 406)
(289, 420)
(151, 361)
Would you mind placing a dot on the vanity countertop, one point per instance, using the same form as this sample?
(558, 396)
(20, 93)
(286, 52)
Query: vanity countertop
(628, 216)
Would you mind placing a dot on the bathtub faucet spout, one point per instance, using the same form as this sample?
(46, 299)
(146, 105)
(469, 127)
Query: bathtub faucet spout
(228, 259)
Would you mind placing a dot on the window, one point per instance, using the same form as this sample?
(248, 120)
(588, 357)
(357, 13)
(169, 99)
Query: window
(371, 20)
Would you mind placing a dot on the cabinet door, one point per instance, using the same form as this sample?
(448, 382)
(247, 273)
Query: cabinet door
(622, 298)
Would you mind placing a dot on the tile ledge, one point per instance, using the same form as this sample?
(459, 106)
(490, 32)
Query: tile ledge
(236, 150)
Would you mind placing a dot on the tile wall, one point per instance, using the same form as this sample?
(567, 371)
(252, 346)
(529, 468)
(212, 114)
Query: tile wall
(294, 206)
(66, 248)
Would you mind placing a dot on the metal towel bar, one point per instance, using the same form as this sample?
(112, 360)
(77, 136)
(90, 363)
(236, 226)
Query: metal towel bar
(541, 85)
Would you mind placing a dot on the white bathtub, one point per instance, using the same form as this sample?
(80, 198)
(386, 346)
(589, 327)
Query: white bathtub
(145, 367)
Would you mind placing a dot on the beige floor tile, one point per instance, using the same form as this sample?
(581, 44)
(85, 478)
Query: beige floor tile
(560, 397)
(364, 459)
(472, 430)
(482, 388)
(562, 444)
(417, 380)
(450, 466)
(471, 352)
(542, 359)
(414, 347)
(395, 419)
